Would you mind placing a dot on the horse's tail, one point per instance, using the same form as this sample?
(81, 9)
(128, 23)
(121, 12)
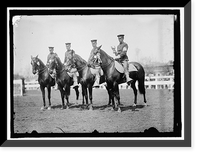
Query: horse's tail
(141, 85)
(141, 79)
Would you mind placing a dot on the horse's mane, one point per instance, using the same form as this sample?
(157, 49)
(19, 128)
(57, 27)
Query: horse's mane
(41, 62)
(111, 58)
(79, 58)
(58, 60)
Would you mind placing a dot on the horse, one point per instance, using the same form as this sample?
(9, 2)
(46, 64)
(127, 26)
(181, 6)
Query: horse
(114, 78)
(44, 79)
(87, 79)
(63, 80)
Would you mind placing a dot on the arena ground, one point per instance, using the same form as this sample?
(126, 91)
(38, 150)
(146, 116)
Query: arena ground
(159, 113)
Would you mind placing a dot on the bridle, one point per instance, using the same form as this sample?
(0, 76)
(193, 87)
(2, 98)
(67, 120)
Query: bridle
(56, 68)
(105, 65)
(37, 64)
(73, 60)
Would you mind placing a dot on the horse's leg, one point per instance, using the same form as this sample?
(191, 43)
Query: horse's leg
(109, 95)
(49, 96)
(145, 101)
(77, 94)
(67, 94)
(83, 95)
(90, 96)
(86, 95)
(62, 97)
(135, 92)
(43, 96)
(112, 98)
(117, 97)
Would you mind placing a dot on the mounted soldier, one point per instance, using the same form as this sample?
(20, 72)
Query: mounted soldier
(70, 67)
(122, 49)
(94, 62)
(49, 57)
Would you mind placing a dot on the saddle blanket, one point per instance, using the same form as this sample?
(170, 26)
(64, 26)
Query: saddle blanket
(120, 67)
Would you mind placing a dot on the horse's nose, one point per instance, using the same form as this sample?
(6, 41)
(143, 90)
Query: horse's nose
(50, 71)
(34, 71)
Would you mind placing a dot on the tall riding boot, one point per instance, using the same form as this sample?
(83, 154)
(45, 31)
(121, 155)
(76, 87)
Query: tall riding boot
(128, 79)
(56, 85)
(75, 79)
(96, 83)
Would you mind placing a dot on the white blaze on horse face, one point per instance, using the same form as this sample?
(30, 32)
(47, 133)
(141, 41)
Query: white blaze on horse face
(38, 63)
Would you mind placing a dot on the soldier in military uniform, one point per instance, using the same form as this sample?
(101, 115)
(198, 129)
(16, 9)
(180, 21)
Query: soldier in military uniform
(68, 54)
(122, 49)
(93, 61)
(49, 57)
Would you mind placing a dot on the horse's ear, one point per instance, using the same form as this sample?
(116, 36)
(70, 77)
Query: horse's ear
(100, 47)
(37, 56)
(31, 57)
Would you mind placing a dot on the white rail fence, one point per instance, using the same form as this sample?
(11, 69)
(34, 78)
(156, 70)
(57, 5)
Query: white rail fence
(151, 82)
(17, 88)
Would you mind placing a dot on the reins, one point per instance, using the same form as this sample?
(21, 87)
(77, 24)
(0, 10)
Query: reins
(108, 64)
(40, 71)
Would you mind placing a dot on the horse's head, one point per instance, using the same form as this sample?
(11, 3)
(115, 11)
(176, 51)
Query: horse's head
(97, 50)
(97, 56)
(105, 59)
(53, 64)
(35, 64)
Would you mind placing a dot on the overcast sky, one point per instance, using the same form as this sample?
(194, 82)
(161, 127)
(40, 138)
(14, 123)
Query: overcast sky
(148, 36)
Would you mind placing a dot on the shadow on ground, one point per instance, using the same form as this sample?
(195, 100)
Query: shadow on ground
(102, 107)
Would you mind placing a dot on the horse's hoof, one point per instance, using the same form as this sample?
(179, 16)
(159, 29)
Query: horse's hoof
(119, 110)
(134, 105)
(42, 108)
(90, 108)
(49, 108)
(145, 104)
(112, 109)
(109, 104)
(67, 107)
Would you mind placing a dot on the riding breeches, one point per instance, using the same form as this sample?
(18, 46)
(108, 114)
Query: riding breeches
(125, 65)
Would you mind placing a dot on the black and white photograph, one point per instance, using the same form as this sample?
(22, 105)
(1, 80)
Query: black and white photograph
(107, 74)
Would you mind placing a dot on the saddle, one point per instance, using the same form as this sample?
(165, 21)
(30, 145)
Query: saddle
(119, 67)
(96, 70)
(72, 71)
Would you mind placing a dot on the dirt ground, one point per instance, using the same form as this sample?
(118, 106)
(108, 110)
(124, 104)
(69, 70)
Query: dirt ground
(159, 113)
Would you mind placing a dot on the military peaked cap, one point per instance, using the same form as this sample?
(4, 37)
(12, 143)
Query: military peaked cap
(121, 35)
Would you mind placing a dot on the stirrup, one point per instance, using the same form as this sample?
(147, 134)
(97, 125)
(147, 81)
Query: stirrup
(75, 85)
(96, 85)
(129, 81)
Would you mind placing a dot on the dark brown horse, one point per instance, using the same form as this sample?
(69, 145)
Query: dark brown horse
(87, 79)
(63, 80)
(114, 78)
(44, 79)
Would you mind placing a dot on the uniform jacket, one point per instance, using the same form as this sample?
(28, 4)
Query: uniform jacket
(122, 51)
(51, 56)
(68, 55)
